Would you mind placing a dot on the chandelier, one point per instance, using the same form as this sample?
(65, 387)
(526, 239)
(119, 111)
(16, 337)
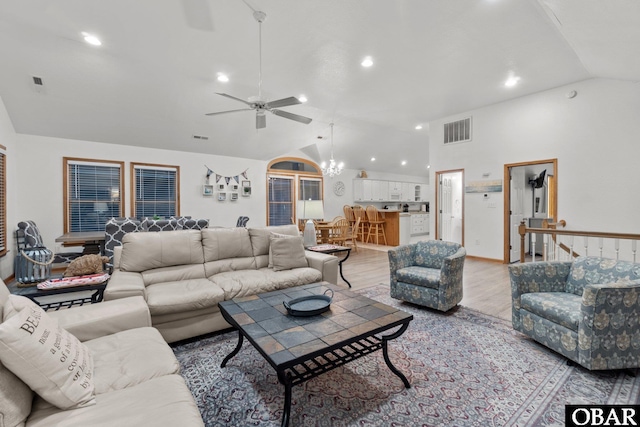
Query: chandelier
(332, 169)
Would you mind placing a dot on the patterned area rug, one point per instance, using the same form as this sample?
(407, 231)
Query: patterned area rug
(465, 369)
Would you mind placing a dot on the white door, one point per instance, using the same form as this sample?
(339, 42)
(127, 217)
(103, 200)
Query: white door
(446, 208)
(516, 206)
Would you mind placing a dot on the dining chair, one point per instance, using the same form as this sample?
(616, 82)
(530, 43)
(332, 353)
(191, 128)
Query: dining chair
(339, 231)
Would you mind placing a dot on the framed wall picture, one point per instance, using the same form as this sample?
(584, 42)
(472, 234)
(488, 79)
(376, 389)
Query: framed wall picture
(220, 186)
(222, 197)
(234, 197)
(207, 190)
(246, 188)
(234, 187)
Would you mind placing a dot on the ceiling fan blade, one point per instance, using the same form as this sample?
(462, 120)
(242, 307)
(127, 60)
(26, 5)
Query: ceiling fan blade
(229, 111)
(284, 102)
(291, 116)
(261, 121)
(233, 97)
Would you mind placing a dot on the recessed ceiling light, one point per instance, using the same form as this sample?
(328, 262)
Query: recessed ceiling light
(428, 166)
(91, 39)
(223, 78)
(373, 159)
(404, 162)
(302, 98)
(367, 62)
(418, 127)
(512, 81)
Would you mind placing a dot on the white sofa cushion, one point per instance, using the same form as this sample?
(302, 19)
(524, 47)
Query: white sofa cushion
(50, 360)
(287, 252)
(129, 358)
(146, 251)
(225, 243)
(162, 401)
(250, 282)
(183, 295)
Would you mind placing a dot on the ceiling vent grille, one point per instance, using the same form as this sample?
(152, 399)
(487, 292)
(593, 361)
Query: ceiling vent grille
(458, 131)
(37, 81)
(200, 137)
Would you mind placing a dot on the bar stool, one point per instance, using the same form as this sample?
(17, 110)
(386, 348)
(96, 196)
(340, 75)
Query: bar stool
(376, 224)
(348, 214)
(361, 231)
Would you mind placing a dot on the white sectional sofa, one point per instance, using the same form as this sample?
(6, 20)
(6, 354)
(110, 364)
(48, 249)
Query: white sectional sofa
(183, 275)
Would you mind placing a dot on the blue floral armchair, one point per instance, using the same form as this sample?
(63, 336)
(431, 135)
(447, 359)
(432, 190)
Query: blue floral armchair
(587, 310)
(427, 273)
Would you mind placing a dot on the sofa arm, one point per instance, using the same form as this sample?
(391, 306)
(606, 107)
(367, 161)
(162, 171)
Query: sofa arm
(124, 284)
(400, 257)
(326, 264)
(546, 276)
(97, 320)
(608, 329)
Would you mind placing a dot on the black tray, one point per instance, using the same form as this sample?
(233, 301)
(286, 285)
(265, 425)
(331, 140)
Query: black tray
(309, 306)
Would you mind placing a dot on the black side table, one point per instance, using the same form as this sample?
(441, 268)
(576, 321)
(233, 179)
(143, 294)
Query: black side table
(70, 300)
(330, 250)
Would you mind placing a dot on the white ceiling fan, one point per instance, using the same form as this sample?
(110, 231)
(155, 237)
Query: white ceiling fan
(257, 103)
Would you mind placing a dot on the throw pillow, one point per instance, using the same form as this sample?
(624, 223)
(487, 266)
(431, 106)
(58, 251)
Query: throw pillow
(277, 236)
(287, 253)
(54, 363)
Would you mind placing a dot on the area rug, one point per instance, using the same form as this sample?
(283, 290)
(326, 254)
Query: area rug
(465, 369)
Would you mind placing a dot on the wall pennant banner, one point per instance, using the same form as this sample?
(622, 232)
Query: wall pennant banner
(226, 178)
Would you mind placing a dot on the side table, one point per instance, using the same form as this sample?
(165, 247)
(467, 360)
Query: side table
(68, 301)
(330, 250)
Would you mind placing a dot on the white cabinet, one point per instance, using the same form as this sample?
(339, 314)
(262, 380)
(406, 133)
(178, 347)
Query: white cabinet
(419, 224)
(374, 190)
(405, 229)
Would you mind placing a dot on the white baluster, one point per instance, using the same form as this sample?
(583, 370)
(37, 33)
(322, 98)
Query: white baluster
(633, 249)
(586, 246)
(600, 245)
(533, 247)
(616, 243)
(570, 248)
(545, 243)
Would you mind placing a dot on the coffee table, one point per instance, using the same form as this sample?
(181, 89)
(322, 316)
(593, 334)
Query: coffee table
(301, 348)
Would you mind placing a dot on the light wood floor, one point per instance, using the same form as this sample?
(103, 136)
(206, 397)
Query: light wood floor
(486, 285)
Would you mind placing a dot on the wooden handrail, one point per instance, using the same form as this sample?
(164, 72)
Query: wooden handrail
(523, 230)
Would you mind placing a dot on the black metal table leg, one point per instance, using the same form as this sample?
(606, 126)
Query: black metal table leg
(385, 353)
(340, 266)
(286, 380)
(234, 352)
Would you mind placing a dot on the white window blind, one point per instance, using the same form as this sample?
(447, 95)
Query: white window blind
(156, 191)
(310, 189)
(93, 194)
(280, 200)
(3, 201)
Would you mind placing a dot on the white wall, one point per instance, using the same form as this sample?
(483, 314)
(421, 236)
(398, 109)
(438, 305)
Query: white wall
(39, 182)
(8, 139)
(594, 136)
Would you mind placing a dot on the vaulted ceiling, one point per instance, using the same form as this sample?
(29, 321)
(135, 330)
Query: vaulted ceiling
(154, 77)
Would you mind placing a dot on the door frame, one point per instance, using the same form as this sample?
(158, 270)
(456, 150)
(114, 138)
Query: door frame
(553, 199)
(437, 210)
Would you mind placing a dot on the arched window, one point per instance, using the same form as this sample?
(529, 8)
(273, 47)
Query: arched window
(291, 179)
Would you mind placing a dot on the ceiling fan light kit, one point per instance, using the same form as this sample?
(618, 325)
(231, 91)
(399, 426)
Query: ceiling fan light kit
(257, 103)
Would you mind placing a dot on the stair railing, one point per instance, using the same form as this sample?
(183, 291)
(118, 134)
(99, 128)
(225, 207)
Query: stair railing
(567, 244)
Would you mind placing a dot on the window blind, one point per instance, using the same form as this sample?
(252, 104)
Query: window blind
(93, 195)
(156, 191)
(280, 201)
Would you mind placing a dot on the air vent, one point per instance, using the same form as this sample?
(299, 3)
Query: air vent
(37, 81)
(458, 131)
(201, 137)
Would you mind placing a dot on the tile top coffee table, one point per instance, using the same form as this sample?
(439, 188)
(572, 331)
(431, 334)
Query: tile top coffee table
(301, 348)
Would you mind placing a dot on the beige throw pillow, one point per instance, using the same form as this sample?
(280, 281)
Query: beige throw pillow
(50, 360)
(287, 252)
(277, 236)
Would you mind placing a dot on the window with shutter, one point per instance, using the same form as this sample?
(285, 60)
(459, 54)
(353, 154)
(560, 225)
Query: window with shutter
(93, 191)
(155, 190)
